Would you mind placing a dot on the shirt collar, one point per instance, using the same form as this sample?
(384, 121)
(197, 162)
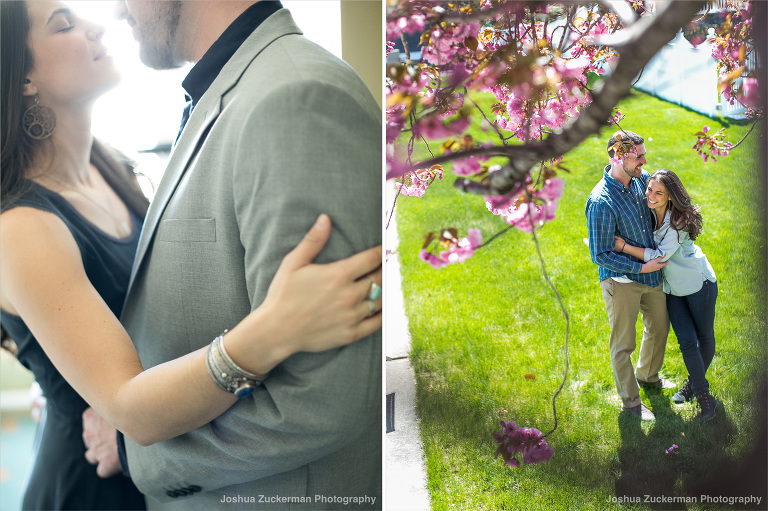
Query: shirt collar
(202, 75)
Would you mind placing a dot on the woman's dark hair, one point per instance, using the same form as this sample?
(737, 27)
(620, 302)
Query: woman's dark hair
(18, 149)
(684, 215)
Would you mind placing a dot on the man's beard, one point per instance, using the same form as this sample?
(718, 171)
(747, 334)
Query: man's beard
(632, 172)
(158, 52)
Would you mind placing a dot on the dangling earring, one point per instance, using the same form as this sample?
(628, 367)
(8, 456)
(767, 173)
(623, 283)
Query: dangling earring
(39, 121)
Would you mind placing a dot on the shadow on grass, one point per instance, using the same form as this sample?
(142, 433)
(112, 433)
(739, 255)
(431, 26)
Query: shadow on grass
(699, 471)
(746, 477)
(465, 425)
(644, 473)
(457, 426)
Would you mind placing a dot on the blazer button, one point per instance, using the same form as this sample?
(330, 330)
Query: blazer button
(172, 493)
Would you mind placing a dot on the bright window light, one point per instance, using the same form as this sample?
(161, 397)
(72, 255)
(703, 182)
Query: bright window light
(144, 111)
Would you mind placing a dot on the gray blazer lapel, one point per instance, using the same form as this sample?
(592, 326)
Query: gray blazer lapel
(178, 162)
(279, 24)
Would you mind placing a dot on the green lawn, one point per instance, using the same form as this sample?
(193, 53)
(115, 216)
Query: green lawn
(478, 327)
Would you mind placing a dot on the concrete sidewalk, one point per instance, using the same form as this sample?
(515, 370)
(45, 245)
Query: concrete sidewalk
(405, 474)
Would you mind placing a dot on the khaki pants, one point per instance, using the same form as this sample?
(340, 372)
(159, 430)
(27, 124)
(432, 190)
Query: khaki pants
(623, 303)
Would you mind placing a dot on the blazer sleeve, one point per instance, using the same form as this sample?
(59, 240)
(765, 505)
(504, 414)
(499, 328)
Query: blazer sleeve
(321, 154)
(309, 148)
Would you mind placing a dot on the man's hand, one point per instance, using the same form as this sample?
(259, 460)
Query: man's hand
(653, 265)
(100, 438)
(38, 401)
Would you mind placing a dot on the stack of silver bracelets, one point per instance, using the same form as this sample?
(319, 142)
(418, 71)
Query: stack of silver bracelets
(229, 376)
(234, 379)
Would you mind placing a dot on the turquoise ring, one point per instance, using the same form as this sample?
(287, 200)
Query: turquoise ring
(375, 292)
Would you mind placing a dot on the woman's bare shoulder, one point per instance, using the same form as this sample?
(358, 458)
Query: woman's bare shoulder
(30, 223)
(32, 242)
(28, 233)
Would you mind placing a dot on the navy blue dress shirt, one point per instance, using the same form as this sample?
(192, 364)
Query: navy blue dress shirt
(202, 75)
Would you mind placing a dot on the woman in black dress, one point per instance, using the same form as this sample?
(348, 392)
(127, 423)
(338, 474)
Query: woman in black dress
(70, 222)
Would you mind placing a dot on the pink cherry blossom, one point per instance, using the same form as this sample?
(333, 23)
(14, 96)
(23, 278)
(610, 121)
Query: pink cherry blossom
(709, 145)
(468, 166)
(458, 251)
(514, 439)
(447, 42)
(529, 215)
(616, 118)
(553, 189)
(749, 94)
(432, 127)
(419, 181)
(416, 22)
(396, 168)
(389, 48)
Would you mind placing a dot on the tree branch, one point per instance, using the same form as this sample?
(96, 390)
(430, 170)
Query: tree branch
(637, 45)
(640, 47)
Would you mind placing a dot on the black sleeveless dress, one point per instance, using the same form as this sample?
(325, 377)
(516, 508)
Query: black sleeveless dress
(61, 478)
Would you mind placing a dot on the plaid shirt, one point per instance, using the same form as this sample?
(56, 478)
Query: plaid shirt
(615, 210)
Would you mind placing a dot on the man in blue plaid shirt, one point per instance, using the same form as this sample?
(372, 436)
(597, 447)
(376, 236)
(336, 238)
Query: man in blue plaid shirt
(617, 207)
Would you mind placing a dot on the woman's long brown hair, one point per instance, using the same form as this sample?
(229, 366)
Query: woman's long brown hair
(684, 215)
(18, 150)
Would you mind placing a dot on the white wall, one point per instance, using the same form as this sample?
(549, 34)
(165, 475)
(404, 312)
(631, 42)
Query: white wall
(686, 75)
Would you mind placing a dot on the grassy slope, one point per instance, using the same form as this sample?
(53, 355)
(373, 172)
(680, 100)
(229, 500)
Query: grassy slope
(478, 327)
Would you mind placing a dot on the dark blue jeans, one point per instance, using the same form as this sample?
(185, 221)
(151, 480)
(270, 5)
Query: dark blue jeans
(693, 319)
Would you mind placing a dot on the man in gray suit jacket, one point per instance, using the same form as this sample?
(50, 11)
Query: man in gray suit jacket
(277, 131)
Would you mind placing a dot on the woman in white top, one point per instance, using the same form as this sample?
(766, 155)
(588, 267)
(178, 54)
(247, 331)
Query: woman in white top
(689, 282)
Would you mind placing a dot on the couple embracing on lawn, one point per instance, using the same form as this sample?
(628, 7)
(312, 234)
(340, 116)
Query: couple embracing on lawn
(641, 232)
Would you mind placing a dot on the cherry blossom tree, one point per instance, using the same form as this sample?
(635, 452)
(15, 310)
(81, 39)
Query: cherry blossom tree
(557, 72)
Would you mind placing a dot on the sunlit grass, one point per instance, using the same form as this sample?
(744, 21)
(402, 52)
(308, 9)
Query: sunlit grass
(479, 327)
